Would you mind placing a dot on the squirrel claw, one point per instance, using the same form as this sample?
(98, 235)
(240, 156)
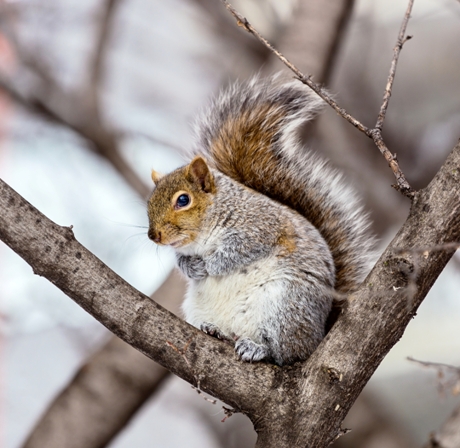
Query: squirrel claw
(213, 330)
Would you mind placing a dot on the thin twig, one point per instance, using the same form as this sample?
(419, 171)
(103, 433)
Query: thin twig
(306, 79)
(402, 38)
(436, 365)
(452, 383)
(401, 182)
(375, 133)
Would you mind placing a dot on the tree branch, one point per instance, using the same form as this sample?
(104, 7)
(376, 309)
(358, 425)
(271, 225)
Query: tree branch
(377, 314)
(55, 254)
(102, 43)
(402, 38)
(448, 376)
(374, 133)
(448, 435)
(311, 399)
(106, 391)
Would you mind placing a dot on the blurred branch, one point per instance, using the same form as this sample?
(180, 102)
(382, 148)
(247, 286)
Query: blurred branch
(78, 110)
(374, 133)
(65, 108)
(224, 27)
(448, 376)
(101, 48)
(106, 391)
(313, 36)
(449, 434)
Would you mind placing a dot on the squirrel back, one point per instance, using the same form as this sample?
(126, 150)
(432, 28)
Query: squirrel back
(250, 133)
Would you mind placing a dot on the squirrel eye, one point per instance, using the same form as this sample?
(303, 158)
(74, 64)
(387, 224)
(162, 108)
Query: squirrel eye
(182, 200)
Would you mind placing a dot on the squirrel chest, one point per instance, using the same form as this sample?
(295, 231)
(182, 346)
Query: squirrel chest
(238, 302)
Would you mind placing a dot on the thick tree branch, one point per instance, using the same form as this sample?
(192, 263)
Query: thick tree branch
(199, 359)
(377, 314)
(106, 391)
(311, 399)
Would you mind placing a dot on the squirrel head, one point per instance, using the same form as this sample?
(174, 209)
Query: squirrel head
(178, 204)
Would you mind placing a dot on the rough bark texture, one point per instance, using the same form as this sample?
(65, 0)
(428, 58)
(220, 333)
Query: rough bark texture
(300, 405)
(106, 392)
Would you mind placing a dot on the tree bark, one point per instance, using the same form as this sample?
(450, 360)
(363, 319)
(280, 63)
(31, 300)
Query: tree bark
(106, 391)
(300, 405)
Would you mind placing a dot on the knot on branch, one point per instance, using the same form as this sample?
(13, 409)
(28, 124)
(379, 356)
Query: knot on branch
(334, 375)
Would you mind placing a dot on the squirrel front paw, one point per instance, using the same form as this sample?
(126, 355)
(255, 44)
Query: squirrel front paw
(214, 330)
(192, 266)
(249, 350)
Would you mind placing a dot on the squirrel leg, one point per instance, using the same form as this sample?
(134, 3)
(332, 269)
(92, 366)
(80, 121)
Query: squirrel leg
(192, 266)
(249, 350)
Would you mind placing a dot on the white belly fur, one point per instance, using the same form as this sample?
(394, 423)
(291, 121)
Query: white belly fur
(237, 302)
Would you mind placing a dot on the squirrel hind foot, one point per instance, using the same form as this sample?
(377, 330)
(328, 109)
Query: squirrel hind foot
(250, 351)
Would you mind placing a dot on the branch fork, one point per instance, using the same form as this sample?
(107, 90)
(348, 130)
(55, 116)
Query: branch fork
(402, 185)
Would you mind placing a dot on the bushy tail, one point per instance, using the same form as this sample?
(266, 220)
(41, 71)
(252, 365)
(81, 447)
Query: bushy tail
(250, 133)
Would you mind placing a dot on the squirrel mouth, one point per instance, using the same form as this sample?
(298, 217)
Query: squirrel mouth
(176, 243)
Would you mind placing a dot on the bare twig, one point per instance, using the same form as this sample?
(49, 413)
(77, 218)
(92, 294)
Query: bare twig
(448, 375)
(375, 133)
(306, 79)
(401, 183)
(402, 38)
(436, 365)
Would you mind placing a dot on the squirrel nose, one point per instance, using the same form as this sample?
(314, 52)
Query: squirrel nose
(154, 235)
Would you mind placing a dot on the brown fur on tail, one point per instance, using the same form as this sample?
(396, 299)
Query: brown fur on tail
(250, 134)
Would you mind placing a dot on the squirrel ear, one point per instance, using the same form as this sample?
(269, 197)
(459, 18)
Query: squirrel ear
(198, 172)
(156, 176)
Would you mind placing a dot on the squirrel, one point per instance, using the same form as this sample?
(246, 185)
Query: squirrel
(267, 233)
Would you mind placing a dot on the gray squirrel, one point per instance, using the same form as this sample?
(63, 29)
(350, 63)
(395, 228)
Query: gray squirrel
(266, 232)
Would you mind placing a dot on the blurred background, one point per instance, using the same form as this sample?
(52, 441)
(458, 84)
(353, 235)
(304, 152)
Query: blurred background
(96, 93)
